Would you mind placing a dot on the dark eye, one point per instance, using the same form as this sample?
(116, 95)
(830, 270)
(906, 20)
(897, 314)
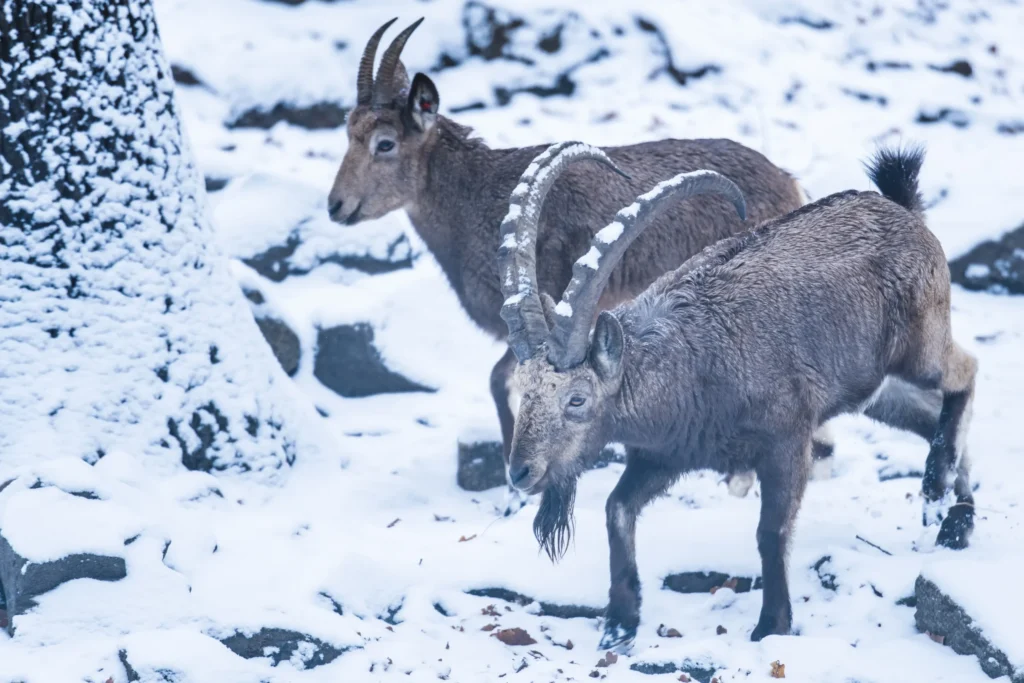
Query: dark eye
(385, 146)
(577, 401)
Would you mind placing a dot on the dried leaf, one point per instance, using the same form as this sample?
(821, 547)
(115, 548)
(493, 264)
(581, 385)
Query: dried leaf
(514, 636)
(721, 630)
(685, 678)
(937, 638)
(463, 539)
(778, 669)
(396, 521)
(568, 645)
(608, 659)
(489, 627)
(490, 611)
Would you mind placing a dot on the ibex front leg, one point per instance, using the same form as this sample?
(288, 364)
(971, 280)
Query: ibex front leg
(641, 482)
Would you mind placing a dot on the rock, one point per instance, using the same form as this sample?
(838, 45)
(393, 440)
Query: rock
(184, 76)
(996, 265)
(283, 342)
(349, 364)
(276, 263)
(947, 622)
(280, 645)
(702, 672)
(704, 582)
(21, 580)
(481, 465)
(547, 609)
(316, 116)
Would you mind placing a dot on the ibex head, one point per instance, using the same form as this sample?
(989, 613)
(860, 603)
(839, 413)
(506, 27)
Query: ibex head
(568, 380)
(388, 131)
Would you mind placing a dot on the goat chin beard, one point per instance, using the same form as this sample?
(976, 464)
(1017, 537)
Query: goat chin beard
(554, 524)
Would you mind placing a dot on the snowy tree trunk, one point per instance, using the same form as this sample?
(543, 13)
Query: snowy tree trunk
(120, 326)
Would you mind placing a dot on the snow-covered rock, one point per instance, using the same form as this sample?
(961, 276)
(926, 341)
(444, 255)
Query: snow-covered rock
(993, 265)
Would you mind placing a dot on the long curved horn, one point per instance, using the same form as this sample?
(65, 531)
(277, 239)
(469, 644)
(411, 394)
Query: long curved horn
(574, 314)
(364, 80)
(383, 88)
(517, 254)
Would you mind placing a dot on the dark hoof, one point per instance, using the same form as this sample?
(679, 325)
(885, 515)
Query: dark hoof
(617, 638)
(956, 527)
(774, 626)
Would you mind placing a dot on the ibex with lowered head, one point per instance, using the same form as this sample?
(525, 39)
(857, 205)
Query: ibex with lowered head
(732, 361)
(403, 154)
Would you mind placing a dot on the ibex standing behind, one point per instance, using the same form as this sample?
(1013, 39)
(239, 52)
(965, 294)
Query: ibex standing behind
(732, 361)
(403, 155)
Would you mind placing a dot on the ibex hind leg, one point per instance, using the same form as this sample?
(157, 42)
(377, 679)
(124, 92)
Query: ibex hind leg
(946, 485)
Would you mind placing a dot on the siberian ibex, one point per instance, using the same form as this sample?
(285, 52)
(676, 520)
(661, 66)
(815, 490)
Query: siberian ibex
(403, 154)
(732, 361)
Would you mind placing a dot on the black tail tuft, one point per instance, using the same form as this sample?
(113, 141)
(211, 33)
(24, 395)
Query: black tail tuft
(894, 172)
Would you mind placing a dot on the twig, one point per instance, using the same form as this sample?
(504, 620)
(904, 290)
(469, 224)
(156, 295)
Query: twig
(876, 547)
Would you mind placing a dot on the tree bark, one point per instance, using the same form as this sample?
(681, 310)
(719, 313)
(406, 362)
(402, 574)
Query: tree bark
(120, 326)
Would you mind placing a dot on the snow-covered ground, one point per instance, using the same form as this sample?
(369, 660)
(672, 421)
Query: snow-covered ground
(369, 544)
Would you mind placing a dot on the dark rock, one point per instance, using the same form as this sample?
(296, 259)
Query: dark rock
(348, 363)
(283, 342)
(481, 465)
(184, 76)
(1011, 128)
(937, 614)
(702, 672)
(961, 67)
(129, 670)
(215, 184)
(280, 644)
(22, 580)
(956, 117)
(547, 609)
(275, 263)
(704, 582)
(313, 117)
(993, 265)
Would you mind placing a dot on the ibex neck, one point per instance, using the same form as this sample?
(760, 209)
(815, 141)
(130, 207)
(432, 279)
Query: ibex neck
(449, 194)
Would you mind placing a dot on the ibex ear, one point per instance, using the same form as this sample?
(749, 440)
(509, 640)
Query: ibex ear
(606, 346)
(423, 102)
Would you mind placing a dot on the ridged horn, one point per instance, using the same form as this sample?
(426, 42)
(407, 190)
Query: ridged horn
(364, 80)
(523, 311)
(575, 313)
(383, 88)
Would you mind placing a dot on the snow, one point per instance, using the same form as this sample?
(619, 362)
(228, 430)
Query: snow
(243, 555)
(591, 259)
(564, 309)
(610, 232)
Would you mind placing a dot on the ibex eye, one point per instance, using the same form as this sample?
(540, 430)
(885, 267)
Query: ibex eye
(577, 401)
(385, 146)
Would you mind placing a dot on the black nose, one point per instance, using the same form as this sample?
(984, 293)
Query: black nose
(519, 474)
(334, 208)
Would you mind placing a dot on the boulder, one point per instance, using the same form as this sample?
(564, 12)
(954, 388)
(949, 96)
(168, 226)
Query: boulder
(315, 116)
(283, 342)
(280, 644)
(481, 465)
(49, 537)
(547, 609)
(349, 364)
(950, 623)
(705, 582)
(995, 265)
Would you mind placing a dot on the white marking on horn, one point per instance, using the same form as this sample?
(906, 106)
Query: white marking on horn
(610, 232)
(592, 259)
